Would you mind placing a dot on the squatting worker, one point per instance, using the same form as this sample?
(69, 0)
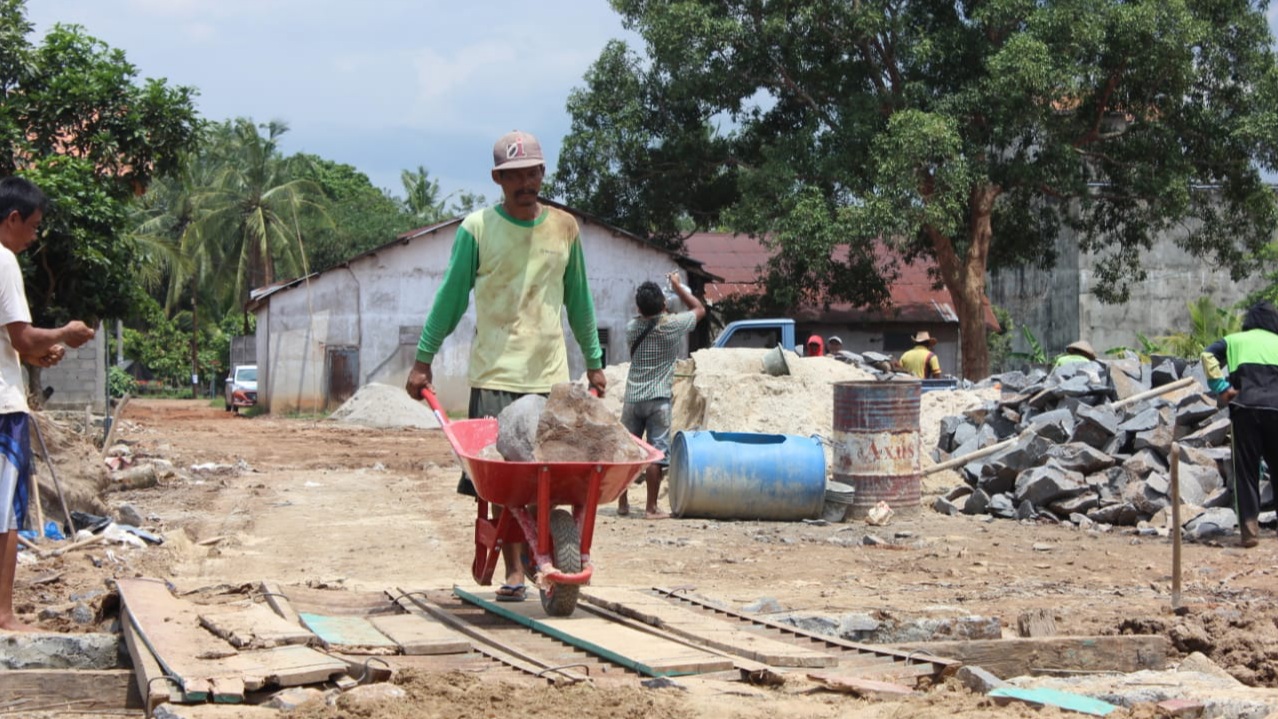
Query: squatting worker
(1251, 391)
(22, 207)
(524, 262)
(655, 338)
(1080, 351)
(833, 345)
(921, 361)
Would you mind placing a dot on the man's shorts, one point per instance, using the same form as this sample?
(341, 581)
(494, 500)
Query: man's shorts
(651, 418)
(484, 403)
(15, 469)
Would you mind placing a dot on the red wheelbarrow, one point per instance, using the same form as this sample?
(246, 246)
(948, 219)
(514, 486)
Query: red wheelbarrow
(558, 541)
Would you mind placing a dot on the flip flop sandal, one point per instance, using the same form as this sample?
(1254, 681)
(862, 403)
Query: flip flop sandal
(512, 593)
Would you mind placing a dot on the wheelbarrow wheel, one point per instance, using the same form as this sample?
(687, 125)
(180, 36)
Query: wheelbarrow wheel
(561, 599)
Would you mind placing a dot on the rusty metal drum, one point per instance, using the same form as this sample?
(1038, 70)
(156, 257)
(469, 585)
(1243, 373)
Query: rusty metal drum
(876, 444)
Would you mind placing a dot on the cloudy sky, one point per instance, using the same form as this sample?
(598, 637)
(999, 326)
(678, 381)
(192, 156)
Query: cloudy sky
(383, 85)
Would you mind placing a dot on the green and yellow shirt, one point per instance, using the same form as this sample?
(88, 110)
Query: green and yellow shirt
(523, 274)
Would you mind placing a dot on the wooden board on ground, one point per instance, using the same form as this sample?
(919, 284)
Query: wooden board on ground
(338, 602)
(417, 635)
(209, 667)
(706, 631)
(1015, 657)
(26, 691)
(153, 691)
(348, 633)
(279, 601)
(631, 648)
(253, 627)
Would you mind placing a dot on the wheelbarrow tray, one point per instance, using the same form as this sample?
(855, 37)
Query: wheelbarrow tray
(515, 483)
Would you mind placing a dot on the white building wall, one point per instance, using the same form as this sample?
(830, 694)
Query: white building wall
(380, 301)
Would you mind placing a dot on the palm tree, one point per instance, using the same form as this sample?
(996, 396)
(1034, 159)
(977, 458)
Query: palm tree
(1207, 323)
(421, 196)
(251, 212)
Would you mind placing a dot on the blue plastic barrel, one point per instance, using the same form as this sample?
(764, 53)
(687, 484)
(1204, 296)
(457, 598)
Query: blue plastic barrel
(741, 475)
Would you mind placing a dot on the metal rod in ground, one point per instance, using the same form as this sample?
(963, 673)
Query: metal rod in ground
(44, 450)
(1175, 513)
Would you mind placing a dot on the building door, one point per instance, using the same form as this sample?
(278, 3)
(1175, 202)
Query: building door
(342, 368)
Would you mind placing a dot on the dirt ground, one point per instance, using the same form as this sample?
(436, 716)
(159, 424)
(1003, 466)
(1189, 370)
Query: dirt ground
(341, 505)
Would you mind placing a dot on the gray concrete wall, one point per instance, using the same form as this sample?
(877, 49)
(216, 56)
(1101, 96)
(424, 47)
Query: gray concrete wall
(1045, 300)
(1159, 304)
(1060, 305)
(80, 379)
(379, 302)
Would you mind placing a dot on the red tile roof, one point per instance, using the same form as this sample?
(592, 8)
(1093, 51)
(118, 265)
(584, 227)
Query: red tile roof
(738, 259)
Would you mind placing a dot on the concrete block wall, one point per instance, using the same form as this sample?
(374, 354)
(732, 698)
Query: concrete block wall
(80, 379)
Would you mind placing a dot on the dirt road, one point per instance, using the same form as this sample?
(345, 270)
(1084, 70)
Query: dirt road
(372, 509)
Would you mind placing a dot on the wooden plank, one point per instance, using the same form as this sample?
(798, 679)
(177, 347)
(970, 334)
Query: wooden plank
(415, 634)
(279, 601)
(254, 627)
(707, 631)
(749, 670)
(288, 666)
(1052, 697)
(347, 632)
(153, 690)
(30, 690)
(208, 667)
(170, 628)
(644, 653)
(485, 642)
(940, 663)
(1007, 658)
(339, 602)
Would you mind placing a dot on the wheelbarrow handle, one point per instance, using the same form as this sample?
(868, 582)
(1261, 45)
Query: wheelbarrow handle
(435, 407)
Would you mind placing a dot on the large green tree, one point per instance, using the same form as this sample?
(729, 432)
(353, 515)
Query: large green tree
(971, 132)
(76, 119)
(359, 215)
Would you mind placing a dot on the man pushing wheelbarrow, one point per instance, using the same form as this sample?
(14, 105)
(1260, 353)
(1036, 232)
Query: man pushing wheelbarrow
(524, 262)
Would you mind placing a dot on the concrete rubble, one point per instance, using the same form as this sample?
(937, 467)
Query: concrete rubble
(1077, 458)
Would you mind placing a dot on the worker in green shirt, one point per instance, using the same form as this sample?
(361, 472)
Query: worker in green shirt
(1251, 392)
(1080, 351)
(523, 260)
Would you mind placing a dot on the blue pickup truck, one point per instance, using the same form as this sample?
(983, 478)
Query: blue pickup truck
(761, 334)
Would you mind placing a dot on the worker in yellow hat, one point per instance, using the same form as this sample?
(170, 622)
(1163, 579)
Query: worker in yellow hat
(921, 361)
(1079, 351)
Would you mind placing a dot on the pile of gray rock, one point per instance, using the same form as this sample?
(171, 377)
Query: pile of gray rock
(1082, 454)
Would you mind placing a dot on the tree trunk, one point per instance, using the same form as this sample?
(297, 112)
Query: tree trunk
(965, 278)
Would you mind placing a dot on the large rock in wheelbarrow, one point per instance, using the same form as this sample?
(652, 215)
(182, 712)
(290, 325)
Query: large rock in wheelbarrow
(575, 426)
(517, 428)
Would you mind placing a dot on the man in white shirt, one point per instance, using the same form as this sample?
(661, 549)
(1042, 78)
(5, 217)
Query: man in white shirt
(22, 207)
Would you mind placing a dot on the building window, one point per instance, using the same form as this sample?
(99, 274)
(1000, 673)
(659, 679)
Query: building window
(604, 336)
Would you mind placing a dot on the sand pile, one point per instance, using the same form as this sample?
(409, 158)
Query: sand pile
(726, 390)
(384, 407)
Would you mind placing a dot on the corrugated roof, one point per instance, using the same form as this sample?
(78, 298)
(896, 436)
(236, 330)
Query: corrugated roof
(739, 260)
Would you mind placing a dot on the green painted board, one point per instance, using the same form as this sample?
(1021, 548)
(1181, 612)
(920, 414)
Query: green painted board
(346, 631)
(1056, 698)
(639, 651)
